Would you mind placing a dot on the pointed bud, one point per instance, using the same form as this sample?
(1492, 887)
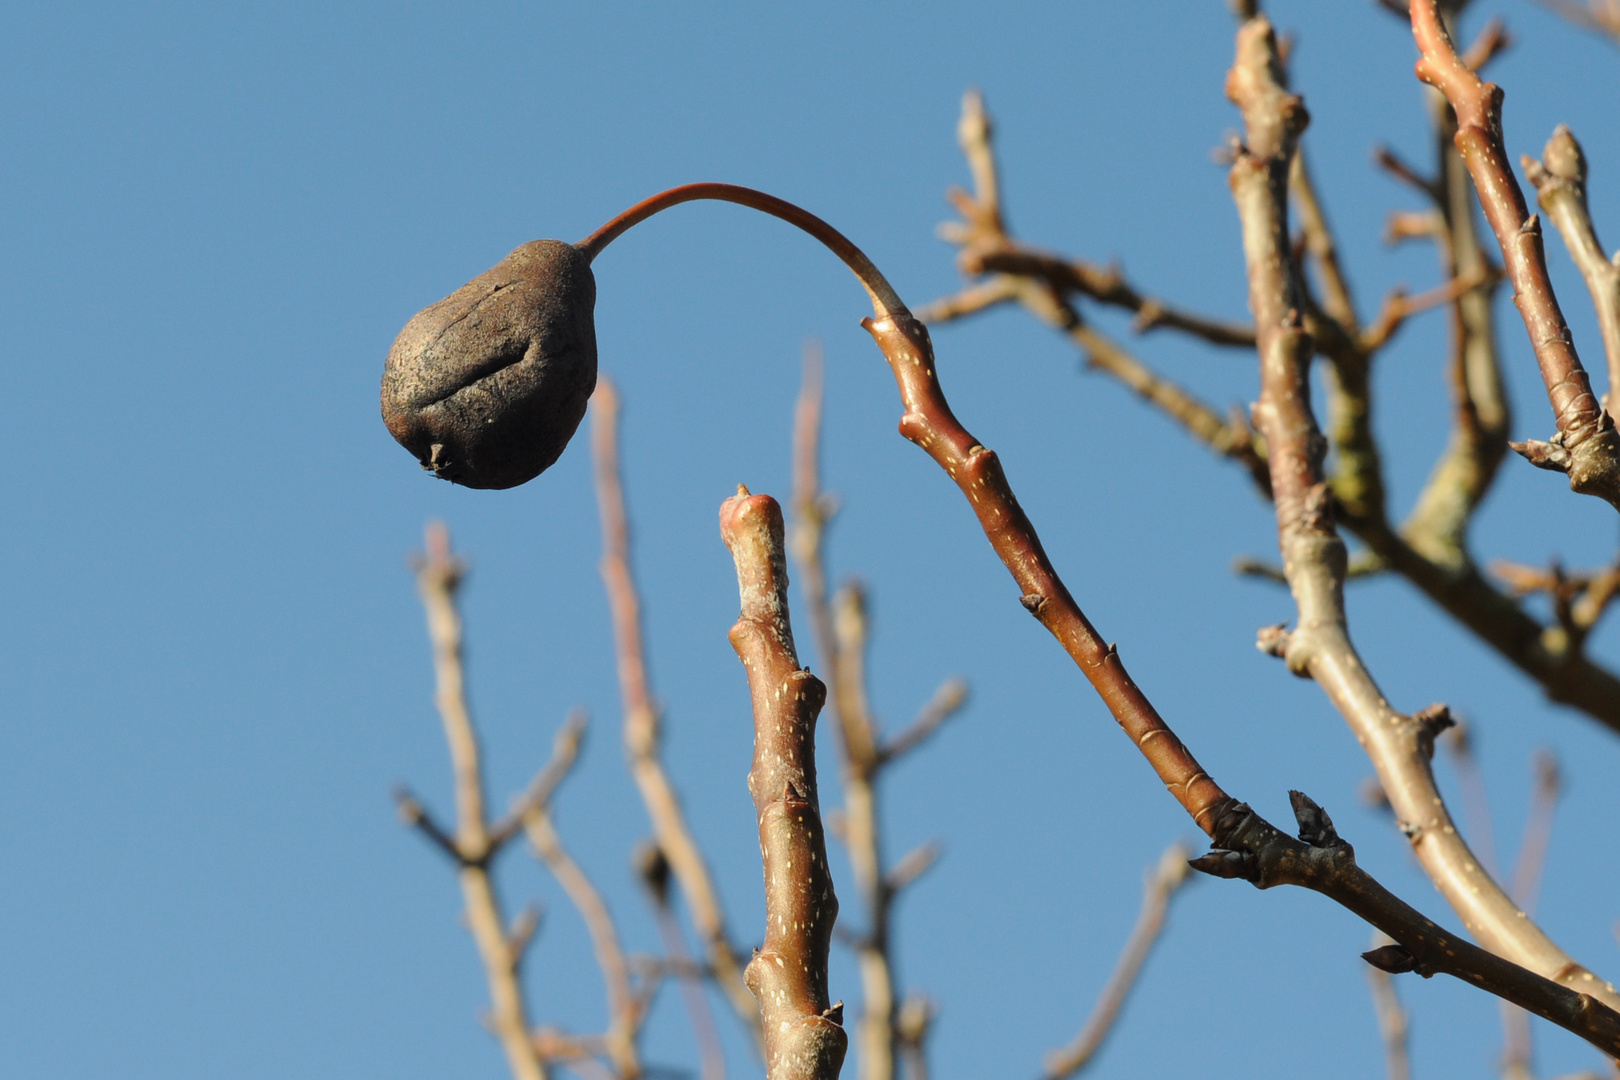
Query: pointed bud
(1315, 827)
(1395, 959)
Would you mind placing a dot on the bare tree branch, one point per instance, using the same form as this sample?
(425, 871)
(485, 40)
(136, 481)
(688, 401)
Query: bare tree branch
(951, 696)
(1162, 884)
(804, 1034)
(642, 722)
(1601, 17)
(438, 576)
(624, 1014)
(987, 248)
(1585, 446)
(1430, 548)
(841, 636)
(1250, 848)
(1247, 845)
(1560, 183)
(1313, 553)
(654, 871)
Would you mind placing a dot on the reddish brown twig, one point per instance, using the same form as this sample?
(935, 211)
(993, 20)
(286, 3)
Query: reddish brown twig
(642, 722)
(1162, 883)
(1585, 446)
(804, 1036)
(876, 285)
(1313, 553)
(1560, 183)
(841, 635)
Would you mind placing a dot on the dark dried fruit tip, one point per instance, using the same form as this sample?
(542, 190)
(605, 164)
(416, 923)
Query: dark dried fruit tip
(487, 386)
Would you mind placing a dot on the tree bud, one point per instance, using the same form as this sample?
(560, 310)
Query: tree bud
(486, 387)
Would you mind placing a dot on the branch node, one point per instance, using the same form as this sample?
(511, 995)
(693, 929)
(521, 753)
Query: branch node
(1273, 640)
(1431, 722)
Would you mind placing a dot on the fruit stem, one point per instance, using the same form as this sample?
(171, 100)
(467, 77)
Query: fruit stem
(885, 301)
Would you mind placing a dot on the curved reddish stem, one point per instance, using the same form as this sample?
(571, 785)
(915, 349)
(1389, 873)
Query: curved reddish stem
(885, 300)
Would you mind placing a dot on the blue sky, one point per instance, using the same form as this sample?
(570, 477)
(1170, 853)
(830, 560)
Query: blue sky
(214, 219)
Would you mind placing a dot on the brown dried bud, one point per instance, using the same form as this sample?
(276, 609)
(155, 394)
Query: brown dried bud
(487, 386)
(1563, 157)
(1394, 959)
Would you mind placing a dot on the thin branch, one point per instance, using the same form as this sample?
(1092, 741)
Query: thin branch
(654, 871)
(438, 576)
(1323, 249)
(1105, 285)
(1392, 1022)
(1527, 871)
(624, 1017)
(841, 636)
(1481, 418)
(1398, 306)
(1598, 16)
(951, 696)
(1401, 170)
(987, 248)
(1476, 803)
(1586, 446)
(992, 292)
(1579, 599)
(813, 512)
(413, 814)
(912, 865)
(1560, 183)
(642, 722)
(1256, 851)
(564, 751)
(1492, 41)
(1230, 436)
(804, 1034)
(1162, 884)
(1313, 553)
(1517, 1046)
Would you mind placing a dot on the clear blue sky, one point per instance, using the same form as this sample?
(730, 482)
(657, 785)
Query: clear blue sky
(214, 219)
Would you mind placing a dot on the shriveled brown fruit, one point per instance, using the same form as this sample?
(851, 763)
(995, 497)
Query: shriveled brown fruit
(486, 387)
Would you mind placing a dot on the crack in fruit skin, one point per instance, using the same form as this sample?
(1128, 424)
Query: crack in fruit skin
(487, 386)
